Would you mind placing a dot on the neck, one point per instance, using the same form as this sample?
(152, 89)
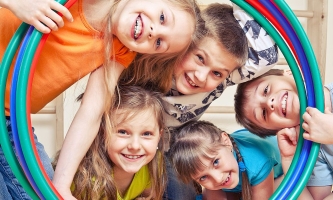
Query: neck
(122, 179)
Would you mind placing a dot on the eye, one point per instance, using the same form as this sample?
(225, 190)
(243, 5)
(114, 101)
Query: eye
(216, 73)
(158, 43)
(122, 132)
(162, 18)
(216, 162)
(202, 178)
(147, 133)
(264, 113)
(265, 90)
(200, 58)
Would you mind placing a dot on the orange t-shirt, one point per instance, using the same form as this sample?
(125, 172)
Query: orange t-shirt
(67, 56)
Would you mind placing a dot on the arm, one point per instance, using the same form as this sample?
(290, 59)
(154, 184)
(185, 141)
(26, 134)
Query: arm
(287, 141)
(264, 189)
(83, 129)
(318, 126)
(213, 194)
(39, 13)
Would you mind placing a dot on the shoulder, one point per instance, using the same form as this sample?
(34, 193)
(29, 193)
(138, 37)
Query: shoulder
(259, 155)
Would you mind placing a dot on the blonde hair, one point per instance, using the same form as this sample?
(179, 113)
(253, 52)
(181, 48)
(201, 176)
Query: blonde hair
(155, 71)
(200, 139)
(93, 180)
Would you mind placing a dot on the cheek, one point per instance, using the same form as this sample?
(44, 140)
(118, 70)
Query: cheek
(187, 64)
(212, 84)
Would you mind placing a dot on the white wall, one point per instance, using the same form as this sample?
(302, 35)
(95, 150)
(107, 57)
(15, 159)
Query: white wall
(45, 123)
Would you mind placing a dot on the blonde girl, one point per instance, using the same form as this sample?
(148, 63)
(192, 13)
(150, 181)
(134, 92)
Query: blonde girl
(126, 163)
(226, 165)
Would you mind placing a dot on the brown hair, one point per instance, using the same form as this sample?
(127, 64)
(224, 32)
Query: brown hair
(197, 139)
(93, 180)
(222, 26)
(241, 99)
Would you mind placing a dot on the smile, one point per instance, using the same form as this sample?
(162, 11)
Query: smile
(138, 27)
(188, 79)
(132, 156)
(226, 180)
(284, 104)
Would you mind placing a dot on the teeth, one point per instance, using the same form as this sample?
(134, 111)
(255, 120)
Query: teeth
(284, 103)
(190, 81)
(137, 27)
(132, 156)
(226, 180)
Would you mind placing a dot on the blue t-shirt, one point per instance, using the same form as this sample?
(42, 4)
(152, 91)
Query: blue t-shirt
(260, 156)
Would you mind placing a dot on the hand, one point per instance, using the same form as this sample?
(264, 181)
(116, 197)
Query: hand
(42, 14)
(318, 126)
(65, 193)
(287, 141)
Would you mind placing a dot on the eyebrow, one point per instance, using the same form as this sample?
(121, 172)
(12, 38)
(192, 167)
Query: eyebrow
(254, 110)
(172, 18)
(209, 60)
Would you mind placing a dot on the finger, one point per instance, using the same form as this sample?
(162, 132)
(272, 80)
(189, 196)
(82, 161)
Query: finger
(62, 10)
(56, 18)
(306, 117)
(312, 111)
(306, 127)
(49, 23)
(306, 135)
(41, 27)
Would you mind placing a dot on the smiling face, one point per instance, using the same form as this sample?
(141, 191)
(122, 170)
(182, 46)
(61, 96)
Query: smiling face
(204, 68)
(135, 142)
(221, 172)
(273, 102)
(152, 26)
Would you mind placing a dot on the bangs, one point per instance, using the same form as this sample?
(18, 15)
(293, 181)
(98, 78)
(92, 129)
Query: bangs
(188, 163)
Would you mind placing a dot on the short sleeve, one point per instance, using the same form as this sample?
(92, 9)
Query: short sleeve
(262, 50)
(123, 55)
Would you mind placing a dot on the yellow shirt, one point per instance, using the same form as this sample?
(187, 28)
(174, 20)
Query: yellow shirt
(140, 182)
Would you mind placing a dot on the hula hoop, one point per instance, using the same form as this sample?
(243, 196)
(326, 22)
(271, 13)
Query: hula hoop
(292, 32)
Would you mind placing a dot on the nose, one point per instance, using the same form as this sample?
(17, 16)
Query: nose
(270, 103)
(152, 32)
(201, 73)
(217, 177)
(134, 144)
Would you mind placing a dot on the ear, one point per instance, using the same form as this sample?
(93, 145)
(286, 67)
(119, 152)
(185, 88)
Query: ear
(161, 133)
(225, 139)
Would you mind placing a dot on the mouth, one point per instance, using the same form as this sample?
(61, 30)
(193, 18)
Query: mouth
(284, 104)
(225, 182)
(138, 27)
(132, 157)
(189, 80)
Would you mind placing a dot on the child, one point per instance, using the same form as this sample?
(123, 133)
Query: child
(220, 59)
(223, 163)
(274, 106)
(125, 163)
(100, 31)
